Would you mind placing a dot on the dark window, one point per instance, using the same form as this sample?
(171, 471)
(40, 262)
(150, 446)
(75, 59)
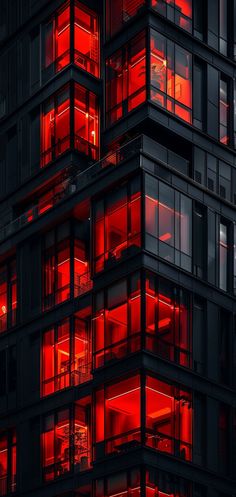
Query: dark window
(171, 76)
(224, 439)
(225, 355)
(178, 11)
(118, 13)
(199, 240)
(168, 223)
(224, 112)
(223, 26)
(198, 94)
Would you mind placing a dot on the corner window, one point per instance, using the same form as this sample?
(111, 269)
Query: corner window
(57, 135)
(8, 295)
(86, 40)
(171, 77)
(117, 225)
(126, 79)
(118, 13)
(168, 413)
(7, 462)
(178, 11)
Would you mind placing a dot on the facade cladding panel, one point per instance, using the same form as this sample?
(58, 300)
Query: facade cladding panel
(117, 248)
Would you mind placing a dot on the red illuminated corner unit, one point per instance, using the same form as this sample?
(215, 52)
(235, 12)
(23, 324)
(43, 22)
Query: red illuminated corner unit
(57, 49)
(57, 134)
(178, 10)
(168, 417)
(7, 462)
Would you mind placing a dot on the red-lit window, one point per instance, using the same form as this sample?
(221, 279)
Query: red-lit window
(86, 122)
(7, 462)
(126, 79)
(55, 127)
(118, 415)
(168, 331)
(168, 418)
(57, 269)
(179, 11)
(171, 77)
(117, 225)
(116, 321)
(168, 411)
(66, 441)
(86, 40)
(224, 112)
(8, 295)
(56, 41)
(56, 131)
(168, 221)
(125, 484)
(66, 354)
(118, 13)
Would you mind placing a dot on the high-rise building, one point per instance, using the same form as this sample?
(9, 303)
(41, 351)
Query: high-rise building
(117, 248)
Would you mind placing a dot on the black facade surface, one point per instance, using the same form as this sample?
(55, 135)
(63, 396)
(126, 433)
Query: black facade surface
(150, 151)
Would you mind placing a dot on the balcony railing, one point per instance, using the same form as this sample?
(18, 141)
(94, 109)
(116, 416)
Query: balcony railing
(76, 182)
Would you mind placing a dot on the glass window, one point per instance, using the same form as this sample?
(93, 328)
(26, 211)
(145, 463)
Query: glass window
(8, 295)
(117, 225)
(223, 257)
(118, 13)
(126, 79)
(7, 462)
(66, 354)
(56, 41)
(66, 440)
(161, 484)
(171, 77)
(224, 112)
(57, 270)
(168, 418)
(86, 40)
(178, 11)
(168, 329)
(55, 127)
(223, 26)
(125, 484)
(168, 223)
(86, 122)
(116, 321)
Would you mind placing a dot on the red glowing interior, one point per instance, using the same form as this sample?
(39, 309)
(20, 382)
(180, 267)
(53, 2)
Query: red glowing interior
(180, 10)
(61, 434)
(126, 79)
(171, 77)
(8, 295)
(56, 46)
(119, 13)
(7, 462)
(86, 40)
(168, 417)
(86, 122)
(66, 354)
(118, 228)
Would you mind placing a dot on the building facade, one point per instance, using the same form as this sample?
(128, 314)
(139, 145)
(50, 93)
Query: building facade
(117, 248)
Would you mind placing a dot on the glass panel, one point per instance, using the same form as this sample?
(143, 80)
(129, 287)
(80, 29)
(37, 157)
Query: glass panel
(63, 272)
(62, 443)
(119, 13)
(86, 40)
(223, 256)
(48, 366)
(224, 113)
(3, 464)
(62, 39)
(86, 122)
